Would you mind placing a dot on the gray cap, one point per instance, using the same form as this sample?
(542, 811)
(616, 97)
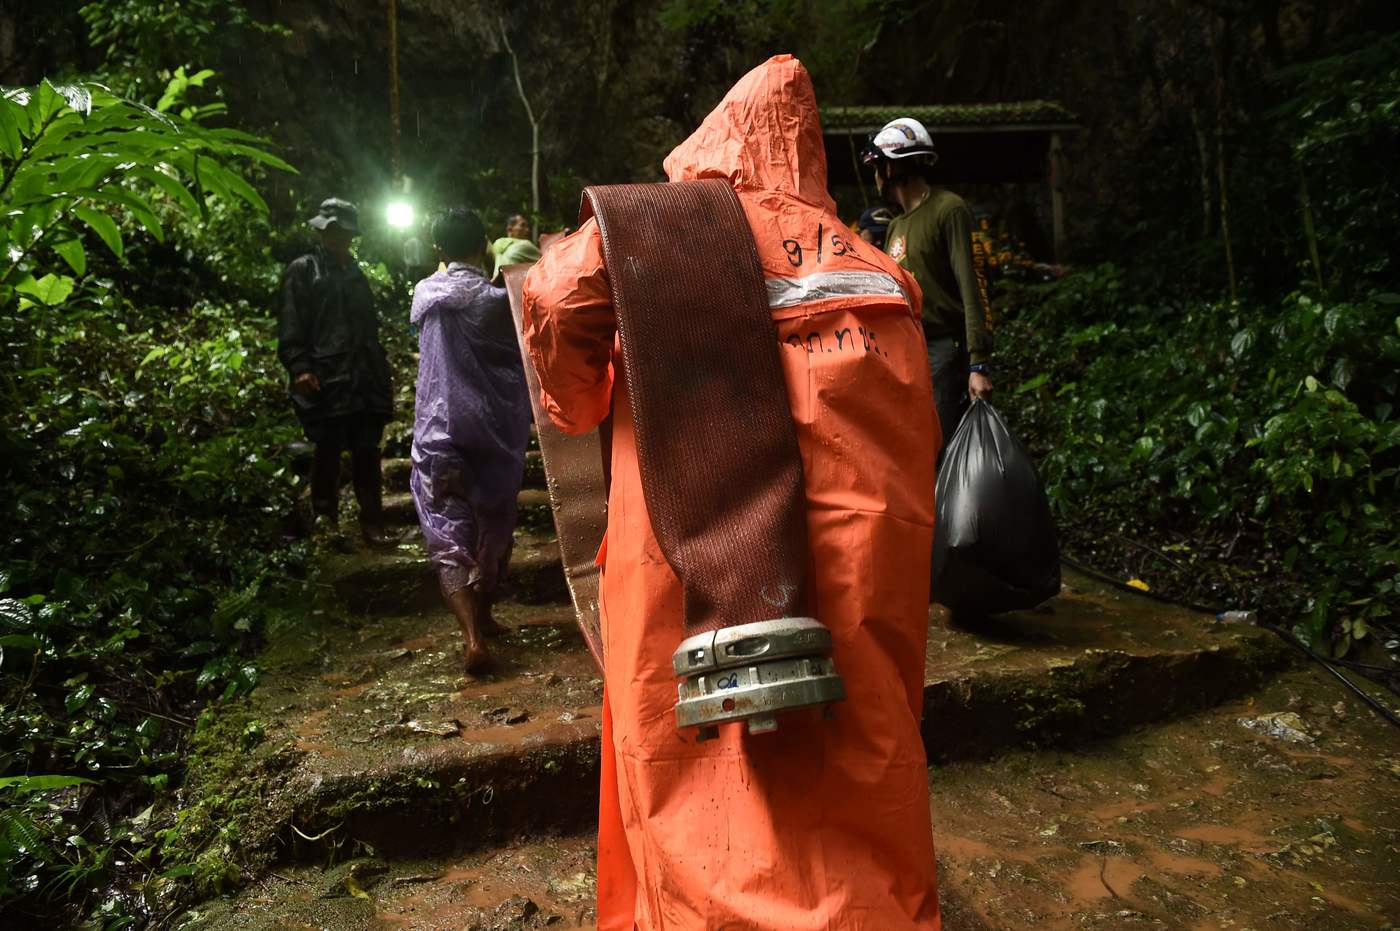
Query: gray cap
(340, 212)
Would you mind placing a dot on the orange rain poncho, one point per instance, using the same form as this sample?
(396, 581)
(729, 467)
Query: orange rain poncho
(822, 824)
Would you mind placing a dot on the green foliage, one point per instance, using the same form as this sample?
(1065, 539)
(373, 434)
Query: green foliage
(142, 462)
(1344, 121)
(78, 158)
(141, 40)
(1258, 443)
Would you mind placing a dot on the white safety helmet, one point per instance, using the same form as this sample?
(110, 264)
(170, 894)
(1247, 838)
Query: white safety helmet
(901, 138)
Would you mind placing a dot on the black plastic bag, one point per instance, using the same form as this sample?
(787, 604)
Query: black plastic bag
(994, 547)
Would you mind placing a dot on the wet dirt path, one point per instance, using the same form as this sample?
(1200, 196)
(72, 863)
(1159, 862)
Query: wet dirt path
(1196, 824)
(1199, 824)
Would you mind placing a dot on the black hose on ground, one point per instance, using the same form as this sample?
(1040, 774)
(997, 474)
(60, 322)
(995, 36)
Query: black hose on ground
(1286, 635)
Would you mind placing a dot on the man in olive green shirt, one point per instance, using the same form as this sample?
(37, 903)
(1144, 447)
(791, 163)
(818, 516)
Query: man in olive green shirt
(515, 247)
(933, 239)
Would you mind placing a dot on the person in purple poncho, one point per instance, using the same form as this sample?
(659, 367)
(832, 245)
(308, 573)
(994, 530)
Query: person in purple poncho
(471, 426)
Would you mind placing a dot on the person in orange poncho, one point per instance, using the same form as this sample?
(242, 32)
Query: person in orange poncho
(822, 824)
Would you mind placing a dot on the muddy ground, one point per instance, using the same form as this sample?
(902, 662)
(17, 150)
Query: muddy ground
(1202, 824)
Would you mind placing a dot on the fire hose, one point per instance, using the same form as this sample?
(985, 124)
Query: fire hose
(717, 450)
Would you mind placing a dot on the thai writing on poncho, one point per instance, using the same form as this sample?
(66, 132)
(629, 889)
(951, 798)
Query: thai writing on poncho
(471, 426)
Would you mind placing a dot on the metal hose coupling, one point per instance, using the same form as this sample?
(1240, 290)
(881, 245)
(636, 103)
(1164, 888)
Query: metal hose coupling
(750, 672)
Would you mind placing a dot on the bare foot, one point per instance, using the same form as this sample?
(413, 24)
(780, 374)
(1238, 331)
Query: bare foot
(477, 658)
(472, 613)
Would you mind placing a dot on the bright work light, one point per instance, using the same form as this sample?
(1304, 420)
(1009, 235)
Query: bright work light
(399, 214)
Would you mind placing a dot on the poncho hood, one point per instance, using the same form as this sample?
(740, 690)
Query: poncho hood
(765, 135)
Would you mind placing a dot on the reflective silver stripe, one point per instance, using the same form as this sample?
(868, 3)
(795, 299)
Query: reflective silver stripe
(788, 292)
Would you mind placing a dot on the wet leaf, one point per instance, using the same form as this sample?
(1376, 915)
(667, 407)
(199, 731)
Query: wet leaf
(72, 252)
(50, 290)
(15, 613)
(10, 142)
(78, 698)
(42, 783)
(1033, 383)
(104, 226)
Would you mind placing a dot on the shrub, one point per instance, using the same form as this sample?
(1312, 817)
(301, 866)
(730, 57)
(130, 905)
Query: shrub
(145, 489)
(1255, 443)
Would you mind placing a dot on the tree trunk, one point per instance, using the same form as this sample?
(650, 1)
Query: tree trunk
(605, 24)
(534, 127)
(1309, 228)
(1273, 40)
(1317, 27)
(1222, 66)
(1203, 156)
(535, 172)
(395, 128)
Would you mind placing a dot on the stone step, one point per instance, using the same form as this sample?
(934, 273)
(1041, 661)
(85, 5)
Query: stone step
(402, 581)
(397, 471)
(534, 515)
(1196, 823)
(530, 884)
(371, 727)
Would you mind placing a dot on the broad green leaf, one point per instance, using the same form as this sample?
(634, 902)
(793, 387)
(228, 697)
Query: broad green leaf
(49, 290)
(1241, 342)
(1332, 318)
(45, 104)
(104, 226)
(258, 155)
(73, 253)
(42, 783)
(210, 182)
(78, 97)
(15, 613)
(78, 698)
(172, 188)
(85, 170)
(20, 641)
(10, 142)
(1033, 383)
(31, 220)
(234, 184)
(138, 206)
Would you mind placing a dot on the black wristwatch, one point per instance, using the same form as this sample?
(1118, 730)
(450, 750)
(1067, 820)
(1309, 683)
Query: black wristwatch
(981, 368)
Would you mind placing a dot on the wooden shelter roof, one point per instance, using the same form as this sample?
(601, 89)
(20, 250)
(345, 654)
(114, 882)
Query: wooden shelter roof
(1019, 116)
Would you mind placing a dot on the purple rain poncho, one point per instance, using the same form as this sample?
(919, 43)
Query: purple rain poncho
(471, 426)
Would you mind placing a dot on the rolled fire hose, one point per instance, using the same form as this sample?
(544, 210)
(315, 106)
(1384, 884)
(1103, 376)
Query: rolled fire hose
(720, 467)
(578, 490)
